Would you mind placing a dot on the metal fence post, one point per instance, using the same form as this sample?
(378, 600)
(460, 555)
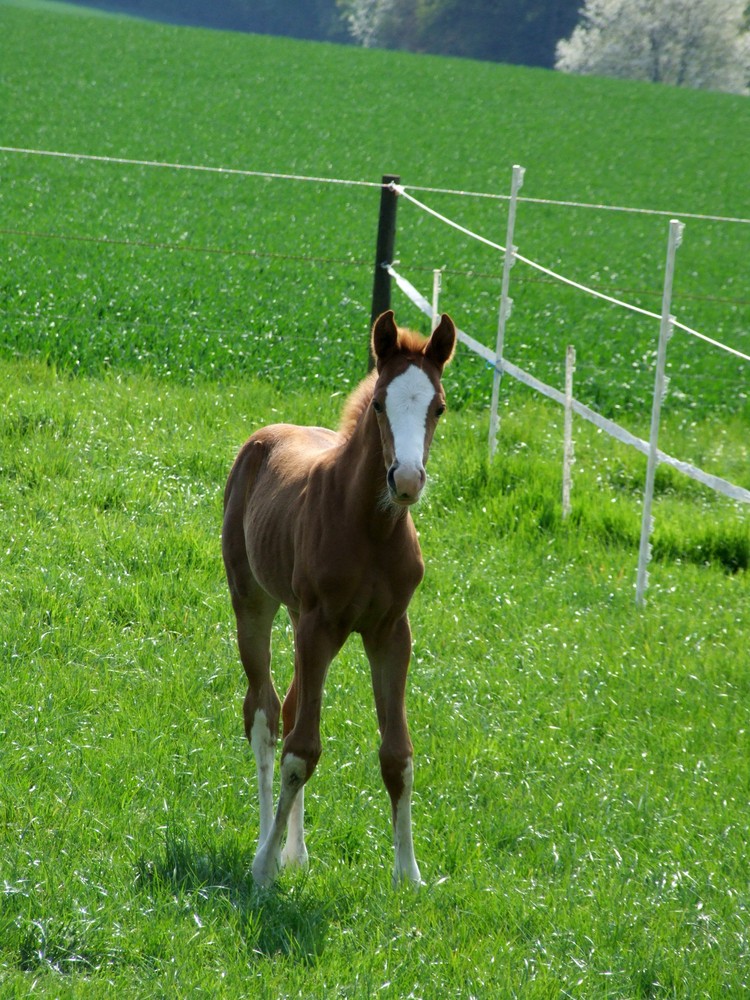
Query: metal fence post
(386, 241)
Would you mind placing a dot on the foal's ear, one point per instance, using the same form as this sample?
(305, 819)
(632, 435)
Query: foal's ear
(442, 343)
(384, 337)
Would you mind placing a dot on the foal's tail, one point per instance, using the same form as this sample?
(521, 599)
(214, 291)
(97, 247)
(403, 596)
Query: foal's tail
(242, 478)
(243, 473)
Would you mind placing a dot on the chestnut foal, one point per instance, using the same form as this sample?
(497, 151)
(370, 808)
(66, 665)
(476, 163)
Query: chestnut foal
(319, 521)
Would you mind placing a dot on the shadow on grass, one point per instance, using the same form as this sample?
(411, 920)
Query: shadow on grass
(289, 918)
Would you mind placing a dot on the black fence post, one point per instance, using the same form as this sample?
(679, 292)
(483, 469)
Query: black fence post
(381, 285)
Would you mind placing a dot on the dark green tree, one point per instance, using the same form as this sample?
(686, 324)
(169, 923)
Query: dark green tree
(516, 31)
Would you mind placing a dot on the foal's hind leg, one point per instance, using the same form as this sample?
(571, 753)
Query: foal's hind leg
(316, 645)
(254, 611)
(294, 854)
(389, 652)
(261, 705)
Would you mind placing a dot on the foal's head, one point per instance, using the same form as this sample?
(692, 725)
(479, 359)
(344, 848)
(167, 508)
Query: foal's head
(408, 399)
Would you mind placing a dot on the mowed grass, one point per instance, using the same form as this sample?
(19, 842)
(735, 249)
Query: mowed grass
(581, 814)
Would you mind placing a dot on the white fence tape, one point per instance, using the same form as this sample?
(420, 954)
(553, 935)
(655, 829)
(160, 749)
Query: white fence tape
(401, 191)
(608, 426)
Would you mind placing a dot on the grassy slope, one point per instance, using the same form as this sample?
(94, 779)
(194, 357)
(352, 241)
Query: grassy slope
(119, 87)
(582, 769)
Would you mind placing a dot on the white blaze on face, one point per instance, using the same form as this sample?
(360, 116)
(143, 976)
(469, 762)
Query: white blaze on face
(406, 403)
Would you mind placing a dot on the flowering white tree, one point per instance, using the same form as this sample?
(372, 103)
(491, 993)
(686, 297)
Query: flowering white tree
(365, 18)
(688, 43)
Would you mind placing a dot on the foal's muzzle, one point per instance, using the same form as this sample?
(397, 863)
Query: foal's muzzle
(405, 483)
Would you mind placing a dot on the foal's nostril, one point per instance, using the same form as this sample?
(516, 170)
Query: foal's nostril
(405, 482)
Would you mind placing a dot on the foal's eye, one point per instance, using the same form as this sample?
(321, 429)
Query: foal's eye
(439, 411)
(377, 406)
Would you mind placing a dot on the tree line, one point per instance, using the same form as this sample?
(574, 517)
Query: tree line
(694, 43)
(514, 31)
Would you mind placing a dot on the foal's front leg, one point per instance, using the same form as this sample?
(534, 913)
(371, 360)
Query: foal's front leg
(388, 652)
(294, 854)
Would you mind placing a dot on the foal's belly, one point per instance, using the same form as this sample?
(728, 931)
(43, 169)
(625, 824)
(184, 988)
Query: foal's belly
(353, 586)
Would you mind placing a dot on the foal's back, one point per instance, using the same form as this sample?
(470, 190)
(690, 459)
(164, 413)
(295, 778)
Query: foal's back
(267, 490)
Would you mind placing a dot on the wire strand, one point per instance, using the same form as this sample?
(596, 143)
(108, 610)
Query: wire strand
(185, 247)
(277, 175)
(233, 171)
(567, 281)
(578, 204)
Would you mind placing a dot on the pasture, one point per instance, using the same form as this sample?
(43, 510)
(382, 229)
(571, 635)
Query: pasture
(279, 256)
(581, 768)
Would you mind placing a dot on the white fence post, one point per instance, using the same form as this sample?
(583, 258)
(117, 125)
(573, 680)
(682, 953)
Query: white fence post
(665, 332)
(505, 305)
(570, 367)
(437, 283)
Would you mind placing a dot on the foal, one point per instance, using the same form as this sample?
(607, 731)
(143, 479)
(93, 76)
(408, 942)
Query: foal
(319, 521)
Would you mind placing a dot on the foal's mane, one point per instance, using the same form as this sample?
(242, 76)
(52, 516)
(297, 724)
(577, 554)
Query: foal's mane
(356, 404)
(410, 343)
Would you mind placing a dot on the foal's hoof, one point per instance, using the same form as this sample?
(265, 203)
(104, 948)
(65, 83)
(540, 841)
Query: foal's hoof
(294, 856)
(408, 876)
(265, 868)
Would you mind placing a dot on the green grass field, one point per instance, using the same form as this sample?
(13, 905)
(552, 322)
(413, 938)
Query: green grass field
(107, 86)
(581, 809)
(582, 780)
